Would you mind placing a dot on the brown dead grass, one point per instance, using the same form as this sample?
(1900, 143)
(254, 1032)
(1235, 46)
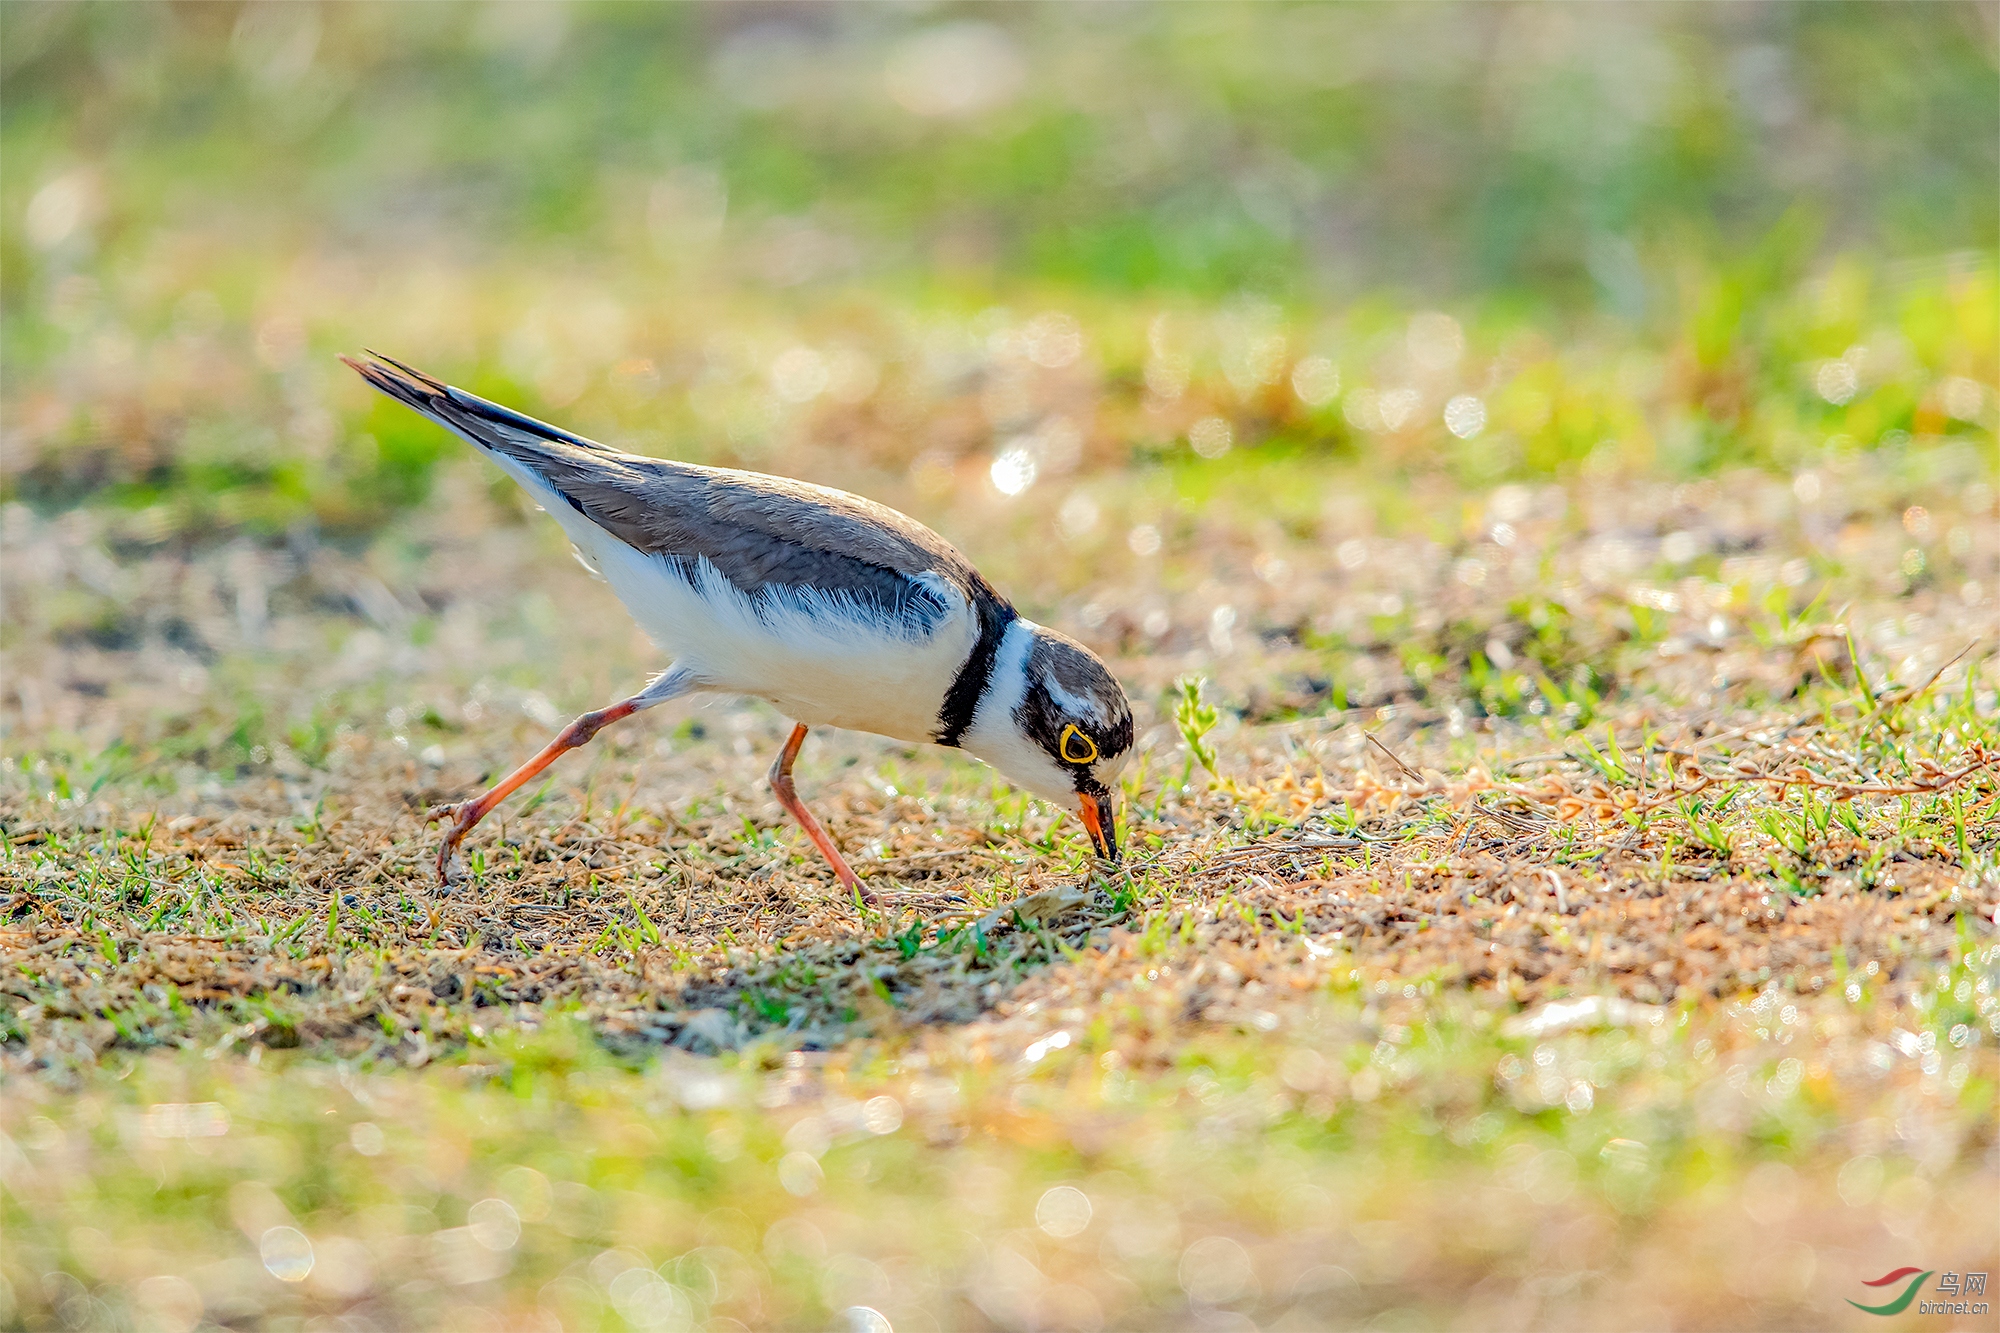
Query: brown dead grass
(691, 931)
(656, 885)
(1333, 972)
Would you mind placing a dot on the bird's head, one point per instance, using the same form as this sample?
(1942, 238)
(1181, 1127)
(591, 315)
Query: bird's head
(1056, 721)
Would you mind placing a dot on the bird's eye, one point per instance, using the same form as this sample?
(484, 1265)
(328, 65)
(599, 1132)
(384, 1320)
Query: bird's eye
(1075, 747)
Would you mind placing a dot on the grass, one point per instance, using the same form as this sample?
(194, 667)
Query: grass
(1669, 942)
(1358, 1160)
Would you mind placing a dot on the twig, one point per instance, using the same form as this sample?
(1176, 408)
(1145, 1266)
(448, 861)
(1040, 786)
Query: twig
(1394, 758)
(1539, 759)
(950, 851)
(1293, 845)
(1888, 701)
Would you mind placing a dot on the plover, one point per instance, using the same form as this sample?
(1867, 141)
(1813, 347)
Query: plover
(838, 611)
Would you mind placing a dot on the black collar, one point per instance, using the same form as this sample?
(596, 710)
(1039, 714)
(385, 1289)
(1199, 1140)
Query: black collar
(969, 686)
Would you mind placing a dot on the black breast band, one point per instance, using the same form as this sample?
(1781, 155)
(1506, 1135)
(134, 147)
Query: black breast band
(969, 686)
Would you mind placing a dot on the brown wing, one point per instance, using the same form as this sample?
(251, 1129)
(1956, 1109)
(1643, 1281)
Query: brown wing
(760, 532)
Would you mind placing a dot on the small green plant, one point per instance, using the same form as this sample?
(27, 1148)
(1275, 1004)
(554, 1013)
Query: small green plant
(646, 930)
(1848, 817)
(1780, 624)
(1792, 832)
(1196, 719)
(1573, 704)
(1500, 693)
(1705, 821)
(1792, 880)
(1610, 762)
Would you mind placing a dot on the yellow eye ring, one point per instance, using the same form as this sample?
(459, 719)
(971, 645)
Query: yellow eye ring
(1088, 751)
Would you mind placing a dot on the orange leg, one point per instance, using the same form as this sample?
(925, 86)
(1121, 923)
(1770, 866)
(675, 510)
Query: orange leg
(788, 796)
(669, 685)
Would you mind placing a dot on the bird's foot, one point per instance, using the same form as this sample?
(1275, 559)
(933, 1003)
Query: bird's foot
(446, 864)
(866, 896)
(467, 815)
(463, 818)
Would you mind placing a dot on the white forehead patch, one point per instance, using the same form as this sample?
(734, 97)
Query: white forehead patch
(1093, 706)
(1073, 705)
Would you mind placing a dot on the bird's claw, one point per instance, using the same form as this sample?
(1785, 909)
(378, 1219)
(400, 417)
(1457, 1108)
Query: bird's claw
(463, 817)
(444, 863)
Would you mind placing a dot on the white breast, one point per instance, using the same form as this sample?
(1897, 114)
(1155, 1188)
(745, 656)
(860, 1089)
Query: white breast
(819, 658)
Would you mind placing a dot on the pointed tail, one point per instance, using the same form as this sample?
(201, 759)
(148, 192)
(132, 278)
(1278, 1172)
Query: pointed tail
(486, 424)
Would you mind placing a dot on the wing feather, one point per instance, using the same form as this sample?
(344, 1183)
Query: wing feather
(761, 533)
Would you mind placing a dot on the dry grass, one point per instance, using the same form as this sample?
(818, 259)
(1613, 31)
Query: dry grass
(1738, 754)
(1741, 817)
(707, 931)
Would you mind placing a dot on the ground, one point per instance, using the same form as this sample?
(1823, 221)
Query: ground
(1553, 905)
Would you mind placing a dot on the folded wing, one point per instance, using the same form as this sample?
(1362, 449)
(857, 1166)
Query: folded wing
(770, 538)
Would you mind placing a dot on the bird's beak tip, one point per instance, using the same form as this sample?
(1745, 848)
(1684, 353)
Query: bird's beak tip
(1102, 822)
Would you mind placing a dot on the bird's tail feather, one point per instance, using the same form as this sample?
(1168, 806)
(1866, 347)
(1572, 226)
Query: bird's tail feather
(486, 424)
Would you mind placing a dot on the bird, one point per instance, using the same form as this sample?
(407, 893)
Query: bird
(837, 610)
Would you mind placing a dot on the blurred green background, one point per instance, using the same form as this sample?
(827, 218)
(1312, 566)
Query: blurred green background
(869, 243)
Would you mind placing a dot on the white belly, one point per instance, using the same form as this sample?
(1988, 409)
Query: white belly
(816, 660)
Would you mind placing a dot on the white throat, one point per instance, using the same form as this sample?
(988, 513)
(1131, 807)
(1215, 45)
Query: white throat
(998, 739)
